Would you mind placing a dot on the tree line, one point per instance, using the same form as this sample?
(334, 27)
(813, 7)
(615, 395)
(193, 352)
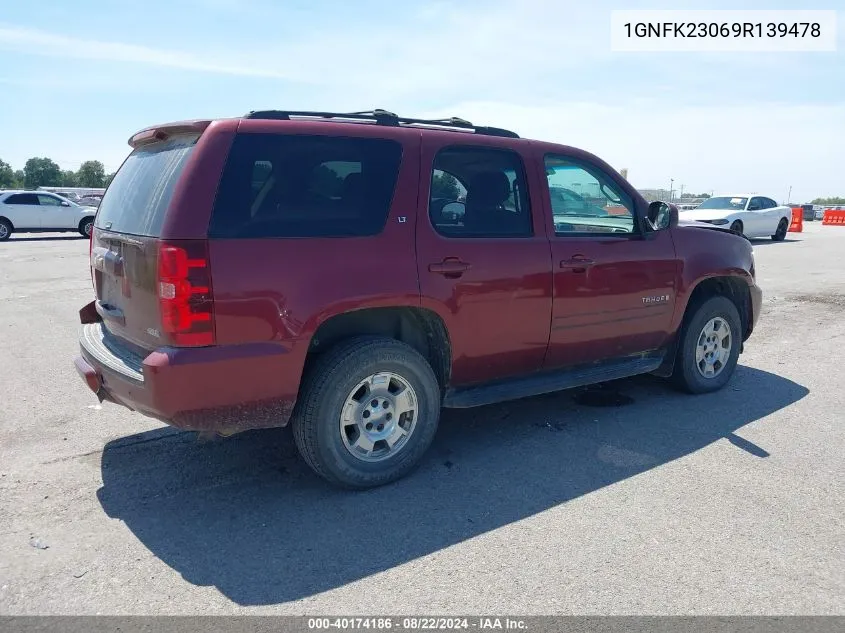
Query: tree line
(44, 172)
(837, 200)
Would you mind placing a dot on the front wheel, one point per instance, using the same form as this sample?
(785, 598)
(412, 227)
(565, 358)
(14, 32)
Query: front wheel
(709, 347)
(5, 230)
(367, 412)
(780, 234)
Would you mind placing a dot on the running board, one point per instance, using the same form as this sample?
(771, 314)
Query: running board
(549, 382)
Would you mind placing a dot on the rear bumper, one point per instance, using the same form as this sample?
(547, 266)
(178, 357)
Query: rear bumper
(223, 389)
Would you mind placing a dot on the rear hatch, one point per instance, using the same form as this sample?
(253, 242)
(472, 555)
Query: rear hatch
(150, 292)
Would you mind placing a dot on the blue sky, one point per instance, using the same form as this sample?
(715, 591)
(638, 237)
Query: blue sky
(78, 78)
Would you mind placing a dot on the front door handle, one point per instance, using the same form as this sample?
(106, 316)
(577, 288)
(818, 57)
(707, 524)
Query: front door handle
(577, 263)
(449, 267)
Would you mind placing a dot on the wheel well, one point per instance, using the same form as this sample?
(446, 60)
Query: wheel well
(420, 328)
(3, 217)
(734, 288)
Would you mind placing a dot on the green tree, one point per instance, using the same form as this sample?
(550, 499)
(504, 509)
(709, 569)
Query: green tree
(837, 200)
(68, 179)
(91, 174)
(19, 178)
(445, 186)
(7, 176)
(41, 172)
(109, 178)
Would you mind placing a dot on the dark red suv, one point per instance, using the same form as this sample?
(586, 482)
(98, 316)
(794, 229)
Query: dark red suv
(354, 273)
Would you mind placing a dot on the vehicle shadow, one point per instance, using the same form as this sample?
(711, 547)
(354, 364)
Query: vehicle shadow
(41, 238)
(246, 516)
(765, 241)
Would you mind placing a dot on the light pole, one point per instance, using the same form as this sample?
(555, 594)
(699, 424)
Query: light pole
(789, 195)
(671, 184)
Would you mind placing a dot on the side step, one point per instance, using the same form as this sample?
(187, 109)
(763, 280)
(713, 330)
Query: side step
(548, 382)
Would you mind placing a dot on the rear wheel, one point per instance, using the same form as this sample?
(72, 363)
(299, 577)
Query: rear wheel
(737, 227)
(780, 234)
(709, 347)
(5, 230)
(86, 226)
(367, 412)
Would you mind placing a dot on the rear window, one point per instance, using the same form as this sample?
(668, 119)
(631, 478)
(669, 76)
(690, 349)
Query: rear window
(305, 186)
(137, 199)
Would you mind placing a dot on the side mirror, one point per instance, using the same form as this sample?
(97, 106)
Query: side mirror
(754, 206)
(662, 216)
(65, 203)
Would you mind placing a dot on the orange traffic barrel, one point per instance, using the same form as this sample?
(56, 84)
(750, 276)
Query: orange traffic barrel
(797, 225)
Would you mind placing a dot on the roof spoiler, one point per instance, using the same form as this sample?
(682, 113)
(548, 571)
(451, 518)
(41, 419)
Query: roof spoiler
(158, 133)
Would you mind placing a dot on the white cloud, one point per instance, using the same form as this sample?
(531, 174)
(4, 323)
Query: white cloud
(37, 42)
(439, 48)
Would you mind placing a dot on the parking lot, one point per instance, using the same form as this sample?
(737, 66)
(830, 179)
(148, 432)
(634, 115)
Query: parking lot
(661, 503)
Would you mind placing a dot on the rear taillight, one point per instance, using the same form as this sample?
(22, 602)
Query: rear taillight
(184, 293)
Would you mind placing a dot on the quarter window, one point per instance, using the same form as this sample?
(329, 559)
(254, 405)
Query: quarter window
(305, 186)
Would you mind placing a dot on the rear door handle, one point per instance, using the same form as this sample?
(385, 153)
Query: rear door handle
(578, 263)
(450, 267)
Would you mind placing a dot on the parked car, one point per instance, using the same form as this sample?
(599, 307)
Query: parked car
(69, 195)
(91, 201)
(326, 292)
(747, 214)
(811, 212)
(567, 202)
(819, 210)
(42, 212)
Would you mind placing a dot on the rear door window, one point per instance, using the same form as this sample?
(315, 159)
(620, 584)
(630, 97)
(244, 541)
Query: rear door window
(277, 186)
(137, 199)
(48, 201)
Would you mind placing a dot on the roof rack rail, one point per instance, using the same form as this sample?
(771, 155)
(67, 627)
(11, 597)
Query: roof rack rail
(382, 117)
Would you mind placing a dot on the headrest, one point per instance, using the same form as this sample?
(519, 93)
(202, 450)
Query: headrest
(353, 185)
(489, 187)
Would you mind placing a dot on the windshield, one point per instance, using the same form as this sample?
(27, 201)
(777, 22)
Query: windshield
(724, 202)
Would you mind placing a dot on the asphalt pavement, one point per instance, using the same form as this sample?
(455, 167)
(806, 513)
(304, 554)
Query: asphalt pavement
(660, 503)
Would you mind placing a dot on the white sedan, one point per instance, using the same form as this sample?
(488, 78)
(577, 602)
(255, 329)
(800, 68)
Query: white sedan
(752, 216)
(42, 212)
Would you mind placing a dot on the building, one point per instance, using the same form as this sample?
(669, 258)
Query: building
(79, 191)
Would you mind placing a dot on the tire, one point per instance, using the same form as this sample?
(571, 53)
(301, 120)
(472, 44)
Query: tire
(780, 234)
(85, 227)
(737, 227)
(329, 388)
(687, 375)
(5, 230)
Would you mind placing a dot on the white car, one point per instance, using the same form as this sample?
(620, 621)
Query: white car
(42, 212)
(751, 215)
